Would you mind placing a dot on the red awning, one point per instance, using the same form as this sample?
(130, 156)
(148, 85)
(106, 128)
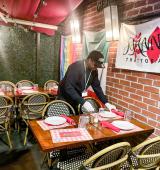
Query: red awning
(51, 12)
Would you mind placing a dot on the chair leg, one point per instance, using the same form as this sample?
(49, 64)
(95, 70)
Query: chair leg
(25, 137)
(49, 160)
(9, 141)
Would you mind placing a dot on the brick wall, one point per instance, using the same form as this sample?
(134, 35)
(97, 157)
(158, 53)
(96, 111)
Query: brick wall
(136, 91)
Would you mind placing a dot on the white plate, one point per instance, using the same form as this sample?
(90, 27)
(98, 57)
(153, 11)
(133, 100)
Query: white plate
(25, 88)
(55, 120)
(107, 114)
(124, 125)
(29, 91)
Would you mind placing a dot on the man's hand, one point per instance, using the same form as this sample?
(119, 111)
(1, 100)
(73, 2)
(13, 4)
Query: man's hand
(110, 106)
(88, 107)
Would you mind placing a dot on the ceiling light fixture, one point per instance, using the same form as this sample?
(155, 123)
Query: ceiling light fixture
(74, 24)
(111, 22)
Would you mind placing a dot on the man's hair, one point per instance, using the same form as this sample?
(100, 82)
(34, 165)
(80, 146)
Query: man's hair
(97, 57)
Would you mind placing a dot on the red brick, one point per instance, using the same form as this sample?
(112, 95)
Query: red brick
(153, 76)
(114, 80)
(152, 136)
(158, 118)
(141, 105)
(140, 3)
(143, 93)
(149, 114)
(146, 9)
(152, 1)
(145, 81)
(133, 12)
(136, 97)
(118, 96)
(152, 123)
(156, 83)
(155, 96)
(151, 89)
(157, 132)
(118, 86)
(138, 74)
(122, 103)
(110, 84)
(157, 6)
(124, 82)
(149, 101)
(113, 99)
(130, 89)
(113, 90)
(135, 109)
(123, 93)
(129, 100)
(120, 75)
(141, 118)
(153, 109)
(136, 85)
(131, 78)
(128, 7)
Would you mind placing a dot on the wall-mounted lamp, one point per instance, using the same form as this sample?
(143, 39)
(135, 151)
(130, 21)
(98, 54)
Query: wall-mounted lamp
(76, 37)
(111, 22)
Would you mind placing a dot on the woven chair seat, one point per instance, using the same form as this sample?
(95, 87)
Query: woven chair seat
(74, 163)
(110, 158)
(32, 116)
(147, 154)
(31, 108)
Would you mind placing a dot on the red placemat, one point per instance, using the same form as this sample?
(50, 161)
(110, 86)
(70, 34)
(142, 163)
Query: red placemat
(69, 135)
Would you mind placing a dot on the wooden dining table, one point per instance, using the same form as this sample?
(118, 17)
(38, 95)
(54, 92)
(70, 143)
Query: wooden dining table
(97, 132)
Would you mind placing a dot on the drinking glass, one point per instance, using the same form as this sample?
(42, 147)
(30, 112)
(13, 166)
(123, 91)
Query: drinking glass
(83, 121)
(35, 87)
(128, 115)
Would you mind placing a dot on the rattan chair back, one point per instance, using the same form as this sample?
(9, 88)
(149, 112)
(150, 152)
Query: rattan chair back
(9, 86)
(50, 84)
(34, 103)
(148, 153)
(24, 83)
(110, 158)
(95, 103)
(6, 105)
(58, 107)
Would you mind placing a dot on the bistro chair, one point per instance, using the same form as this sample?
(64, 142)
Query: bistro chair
(24, 83)
(6, 105)
(110, 158)
(94, 102)
(56, 108)
(146, 155)
(50, 84)
(9, 86)
(31, 108)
